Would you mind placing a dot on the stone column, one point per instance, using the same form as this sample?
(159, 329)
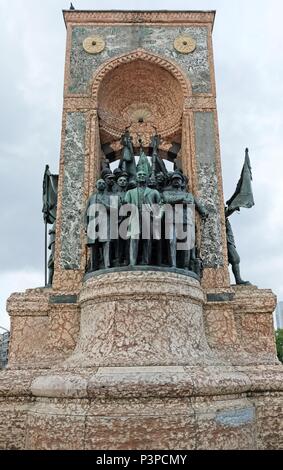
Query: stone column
(201, 163)
(71, 201)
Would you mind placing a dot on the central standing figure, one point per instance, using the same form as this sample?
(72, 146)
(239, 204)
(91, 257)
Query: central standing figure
(143, 198)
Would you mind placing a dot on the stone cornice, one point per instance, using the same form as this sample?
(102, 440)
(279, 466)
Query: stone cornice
(134, 16)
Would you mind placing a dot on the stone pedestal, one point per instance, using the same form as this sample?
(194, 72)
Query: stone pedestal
(151, 370)
(141, 318)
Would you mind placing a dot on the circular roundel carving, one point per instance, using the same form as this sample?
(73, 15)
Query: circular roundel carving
(94, 44)
(185, 44)
(138, 113)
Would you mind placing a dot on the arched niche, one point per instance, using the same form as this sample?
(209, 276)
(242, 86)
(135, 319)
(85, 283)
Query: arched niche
(144, 93)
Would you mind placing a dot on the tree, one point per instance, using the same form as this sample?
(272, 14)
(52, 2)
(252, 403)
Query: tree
(279, 343)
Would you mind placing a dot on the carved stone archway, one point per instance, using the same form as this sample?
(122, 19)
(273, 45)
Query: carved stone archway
(141, 90)
(141, 54)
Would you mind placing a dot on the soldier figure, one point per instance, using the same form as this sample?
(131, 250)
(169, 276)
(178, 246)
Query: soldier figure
(174, 196)
(143, 163)
(233, 256)
(109, 179)
(242, 197)
(51, 246)
(127, 162)
(158, 165)
(121, 243)
(95, 219)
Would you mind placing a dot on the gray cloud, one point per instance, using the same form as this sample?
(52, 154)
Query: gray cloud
(247, 39)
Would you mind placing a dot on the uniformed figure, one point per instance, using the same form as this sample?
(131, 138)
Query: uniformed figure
(127, 162)
(177, 195)
(233, 256)
(122, 245)
(51, 246)
(97, 225)
(110, 181)
(158, 165)
(142, 198)
(143, 164)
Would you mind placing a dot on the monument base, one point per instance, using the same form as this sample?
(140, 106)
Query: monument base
(150, 370)
(145, 408)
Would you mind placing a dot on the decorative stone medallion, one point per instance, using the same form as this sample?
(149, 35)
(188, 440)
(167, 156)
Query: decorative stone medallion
(138, 112)
(185, 44)
(94, 44)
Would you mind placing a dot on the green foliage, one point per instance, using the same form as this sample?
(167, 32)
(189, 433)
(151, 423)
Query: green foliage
(279, 344)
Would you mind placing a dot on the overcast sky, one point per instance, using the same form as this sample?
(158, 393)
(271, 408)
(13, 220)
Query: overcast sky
(248, 39)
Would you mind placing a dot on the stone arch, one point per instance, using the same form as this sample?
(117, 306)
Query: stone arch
(140, 87)
(141, 54)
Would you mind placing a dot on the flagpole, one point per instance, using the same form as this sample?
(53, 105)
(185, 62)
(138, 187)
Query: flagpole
(45, 255)
(45, 238)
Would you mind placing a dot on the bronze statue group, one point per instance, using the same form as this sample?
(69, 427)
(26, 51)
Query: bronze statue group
(160, 230)
(142, 214)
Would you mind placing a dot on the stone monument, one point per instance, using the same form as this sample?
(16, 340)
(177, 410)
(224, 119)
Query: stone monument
(154, 353)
